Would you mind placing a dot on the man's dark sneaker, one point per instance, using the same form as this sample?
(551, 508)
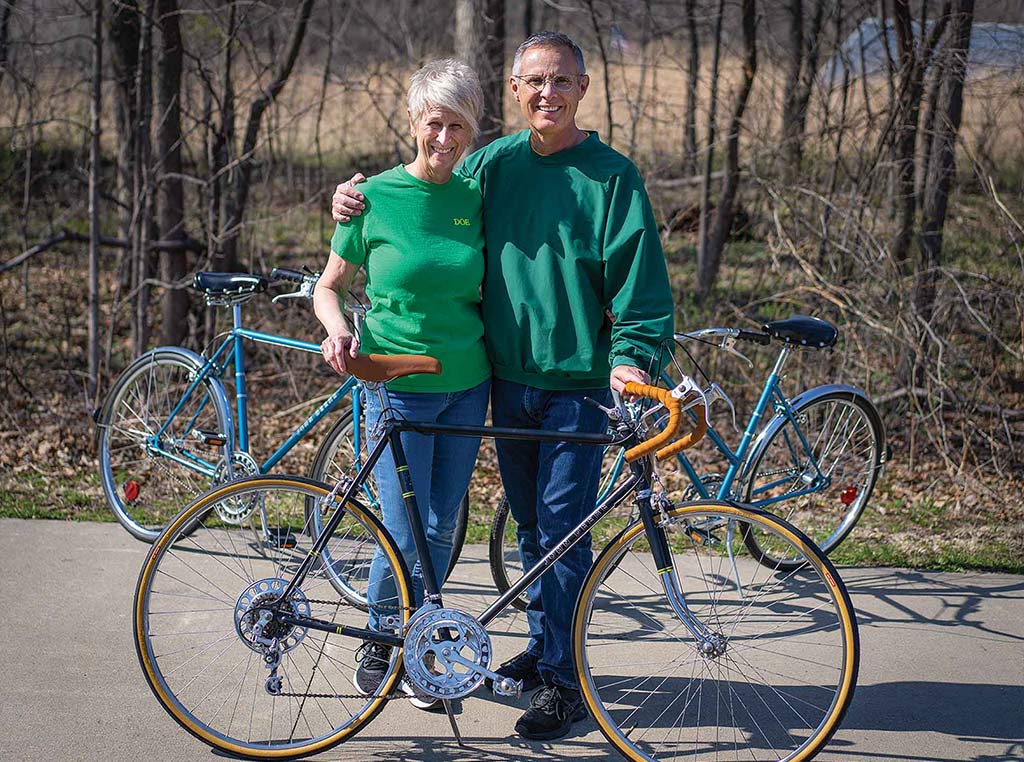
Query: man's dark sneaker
(374, 659)
(553, 710)
(520, 667)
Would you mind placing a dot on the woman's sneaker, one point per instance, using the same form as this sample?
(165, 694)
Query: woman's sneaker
(374, 660)
(553, 710)
(418, 698)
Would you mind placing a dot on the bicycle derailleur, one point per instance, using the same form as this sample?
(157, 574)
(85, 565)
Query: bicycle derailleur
(261, 630)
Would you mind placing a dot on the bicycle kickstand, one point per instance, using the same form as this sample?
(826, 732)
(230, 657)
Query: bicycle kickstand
(455, 725)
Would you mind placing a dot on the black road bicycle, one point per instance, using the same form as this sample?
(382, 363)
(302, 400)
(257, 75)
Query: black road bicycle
(684, 645)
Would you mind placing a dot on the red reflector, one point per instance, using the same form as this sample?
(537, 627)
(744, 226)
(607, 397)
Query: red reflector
(131, 491)
(848, 495)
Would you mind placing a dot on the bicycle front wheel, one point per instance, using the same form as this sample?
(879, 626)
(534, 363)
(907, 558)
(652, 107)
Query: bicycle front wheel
(151, 465)
(818, 474)
(203, 641)
(772, 674)
(335, 459)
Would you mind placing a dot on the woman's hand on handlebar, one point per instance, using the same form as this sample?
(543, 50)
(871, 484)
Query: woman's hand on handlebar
(337, 348)
(623, 374)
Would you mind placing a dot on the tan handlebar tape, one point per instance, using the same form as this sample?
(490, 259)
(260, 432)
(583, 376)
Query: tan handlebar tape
(674, 406)
(388, 367)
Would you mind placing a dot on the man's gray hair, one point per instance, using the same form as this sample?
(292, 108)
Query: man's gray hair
(447, 83)
(550, 40)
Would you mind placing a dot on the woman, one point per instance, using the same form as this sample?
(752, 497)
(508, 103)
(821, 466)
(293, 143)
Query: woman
(422, 250)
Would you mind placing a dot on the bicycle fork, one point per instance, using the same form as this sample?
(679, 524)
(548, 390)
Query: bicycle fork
(710, 644)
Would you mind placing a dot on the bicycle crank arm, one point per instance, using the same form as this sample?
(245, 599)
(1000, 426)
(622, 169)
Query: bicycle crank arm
(501, 685)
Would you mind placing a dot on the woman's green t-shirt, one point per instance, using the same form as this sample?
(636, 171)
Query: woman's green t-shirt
(422, 249)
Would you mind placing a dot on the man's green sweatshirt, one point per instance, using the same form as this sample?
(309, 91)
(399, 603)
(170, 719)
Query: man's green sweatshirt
(576, 280)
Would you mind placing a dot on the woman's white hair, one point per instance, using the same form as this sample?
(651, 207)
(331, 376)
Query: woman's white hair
(447, 83)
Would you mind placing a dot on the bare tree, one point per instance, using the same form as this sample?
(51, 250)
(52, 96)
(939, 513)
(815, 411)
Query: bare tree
(692, 78)
(914, 58)
(480, 42)
(942, 169)
(709, 256)
(95, 110)
(5, 26)
(802, 65)
(246, 159)
(171, 193)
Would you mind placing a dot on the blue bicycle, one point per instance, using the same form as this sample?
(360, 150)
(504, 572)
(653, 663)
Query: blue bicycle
(814, 463)
(167, 430)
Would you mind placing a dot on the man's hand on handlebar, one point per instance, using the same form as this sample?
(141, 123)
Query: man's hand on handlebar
(347, 202)
(623, 374)
(338, 348)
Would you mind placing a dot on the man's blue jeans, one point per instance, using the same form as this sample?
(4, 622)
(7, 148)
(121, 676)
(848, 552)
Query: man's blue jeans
(440, 468)
(551, 487)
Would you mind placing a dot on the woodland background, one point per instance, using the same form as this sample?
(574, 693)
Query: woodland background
(860, 160)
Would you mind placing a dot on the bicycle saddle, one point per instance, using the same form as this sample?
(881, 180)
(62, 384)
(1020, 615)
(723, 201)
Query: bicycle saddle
(803, 330)
(387, 367)
(224, 284)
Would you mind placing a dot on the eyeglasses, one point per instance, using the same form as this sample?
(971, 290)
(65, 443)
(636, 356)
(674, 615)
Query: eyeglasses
(562, 83)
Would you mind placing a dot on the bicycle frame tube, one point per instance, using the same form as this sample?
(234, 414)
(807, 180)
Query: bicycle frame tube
(318, 415)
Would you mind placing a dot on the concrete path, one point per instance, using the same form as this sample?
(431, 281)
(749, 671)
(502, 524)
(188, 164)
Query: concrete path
(941, 679)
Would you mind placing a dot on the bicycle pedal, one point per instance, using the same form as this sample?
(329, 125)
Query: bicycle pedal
(280, 537)
(702, 537)
(212, 438)
(507, 687)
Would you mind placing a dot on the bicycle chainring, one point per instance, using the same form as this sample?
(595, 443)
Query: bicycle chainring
(237, 510)
(443, 649)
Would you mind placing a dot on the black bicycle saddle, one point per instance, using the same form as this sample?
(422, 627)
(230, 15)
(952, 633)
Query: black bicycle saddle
(803, 330)
(225, 284)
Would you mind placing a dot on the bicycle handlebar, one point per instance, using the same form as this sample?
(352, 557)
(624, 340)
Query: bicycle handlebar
(674, 405)
(296, 276)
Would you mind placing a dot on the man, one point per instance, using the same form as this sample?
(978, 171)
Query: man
(576, 297)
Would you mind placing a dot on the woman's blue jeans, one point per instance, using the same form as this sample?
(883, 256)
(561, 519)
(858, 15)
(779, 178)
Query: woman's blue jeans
(551, 487)
(440, 468)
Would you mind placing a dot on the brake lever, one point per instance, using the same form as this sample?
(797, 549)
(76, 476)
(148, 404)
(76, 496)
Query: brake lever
(305, 292)
(729, 345)
(715, 393)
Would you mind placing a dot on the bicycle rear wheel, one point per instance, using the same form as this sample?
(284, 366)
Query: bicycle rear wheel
(335, 458)
(825, 496)
(147, 478)
(197, 607)
(784, 663)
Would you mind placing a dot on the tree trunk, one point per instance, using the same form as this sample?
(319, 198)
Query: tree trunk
(5, 25)
(709, 150)
(603, 52)
(707, 268)
(480, 42)
(171, 196)
(693, 71)
(789, 153)
(125, 29)
(246, 159)
(142, 193)
(914, 59)
(95, 110)
(943, 164)
(800, 83)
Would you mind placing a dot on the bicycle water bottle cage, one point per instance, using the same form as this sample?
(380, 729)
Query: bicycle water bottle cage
(804, 331)
(228, 288)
